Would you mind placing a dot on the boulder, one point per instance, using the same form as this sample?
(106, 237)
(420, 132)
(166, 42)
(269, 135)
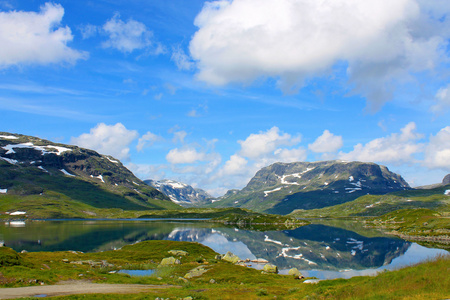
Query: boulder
(196, 272)
(446, 179)
(167, 261)
(295, 273)
(230, 257)
(178, 252)
(269, 268)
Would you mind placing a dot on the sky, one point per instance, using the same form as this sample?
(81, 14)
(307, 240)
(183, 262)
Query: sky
(209, 92)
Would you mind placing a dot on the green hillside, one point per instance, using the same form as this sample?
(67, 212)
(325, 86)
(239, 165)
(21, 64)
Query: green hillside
(49, 180)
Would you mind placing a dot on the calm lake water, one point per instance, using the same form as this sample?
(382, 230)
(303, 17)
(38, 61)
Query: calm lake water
(316, 250)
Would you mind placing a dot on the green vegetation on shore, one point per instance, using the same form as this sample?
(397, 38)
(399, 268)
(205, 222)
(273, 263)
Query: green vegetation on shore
(222, 280)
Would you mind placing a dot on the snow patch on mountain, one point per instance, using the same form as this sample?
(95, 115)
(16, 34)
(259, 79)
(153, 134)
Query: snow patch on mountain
(66, 173)
(266, 193)
(44, 149)
(9, 137)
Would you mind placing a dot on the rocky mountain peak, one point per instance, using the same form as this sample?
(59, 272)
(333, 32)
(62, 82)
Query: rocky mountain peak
(181, 193)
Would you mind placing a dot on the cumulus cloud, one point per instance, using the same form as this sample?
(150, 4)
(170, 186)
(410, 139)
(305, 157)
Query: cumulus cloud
(442, 99)
(185, 156)
(437, 152)
(36, 38)
(113, 140)
(326, 143)
(395, 148)
(126, 36)
(381, 41)
(235, 165)
(290, 155)
(147, 140)
(263, 143)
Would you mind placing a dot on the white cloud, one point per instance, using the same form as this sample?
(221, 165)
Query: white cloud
(264, 143)
(36, 38)
(443, 100)
(326, 143)
(382, 41)
(290, 155)
(235, 165)
(108, 139)
(395, 148)
(88, 31)
(182, 61)
(437, 152)
(147, 140)
(185, 156)
(179, 136)
(126, 36)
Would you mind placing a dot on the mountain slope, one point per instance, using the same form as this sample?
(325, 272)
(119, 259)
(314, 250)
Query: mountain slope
(437, 199)
(34, 172)
(181, 193)
(283, 187)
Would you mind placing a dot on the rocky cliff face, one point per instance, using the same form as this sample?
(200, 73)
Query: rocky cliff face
(181, 193)
(446, 180)
(33, 166)
(283, 187)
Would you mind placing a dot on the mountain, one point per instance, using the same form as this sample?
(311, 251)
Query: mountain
(282, 187)
(181, 193)
(46, 179)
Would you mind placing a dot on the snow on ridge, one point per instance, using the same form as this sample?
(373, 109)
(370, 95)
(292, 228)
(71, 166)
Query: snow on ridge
(351, 178)
(266, 193)
(43, 169)
(11, 161)
(175, 184)
(9, 137)
(66, 173)
(44, 149)
(447, 192)
(3, 191)
(112, 160)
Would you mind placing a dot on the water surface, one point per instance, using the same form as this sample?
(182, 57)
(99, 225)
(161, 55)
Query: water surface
(317, 250)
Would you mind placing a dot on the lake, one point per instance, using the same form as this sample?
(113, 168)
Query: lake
(319, 250)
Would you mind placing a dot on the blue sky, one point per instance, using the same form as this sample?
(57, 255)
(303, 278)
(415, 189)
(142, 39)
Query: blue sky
(209, 92)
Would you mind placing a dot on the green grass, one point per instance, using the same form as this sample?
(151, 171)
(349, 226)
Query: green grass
(428, 280)
(414, 222)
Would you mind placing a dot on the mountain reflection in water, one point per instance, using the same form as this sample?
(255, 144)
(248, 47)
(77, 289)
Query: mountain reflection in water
(317, 250)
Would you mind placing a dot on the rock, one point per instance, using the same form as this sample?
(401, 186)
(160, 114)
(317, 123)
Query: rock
(446, 179)
(167, 261)
(230, 257)
(183, 279)
(269, 268)
(312, 281)
(212, 281)
(218, 257)
(24, 251)
(295, 273)
(178, 252)
(188, 298)
(196, 272)
(260, 261)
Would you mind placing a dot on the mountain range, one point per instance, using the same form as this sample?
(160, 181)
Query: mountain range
(50, 180)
